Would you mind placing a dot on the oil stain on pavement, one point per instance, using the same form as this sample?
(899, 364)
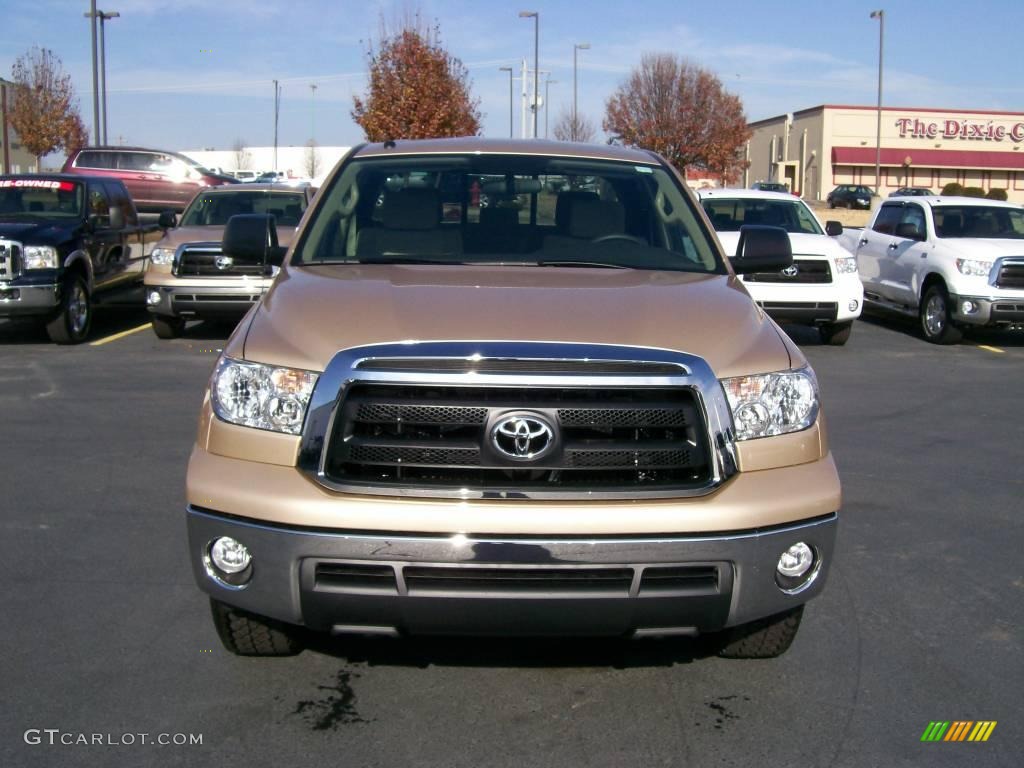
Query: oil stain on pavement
(336, 706)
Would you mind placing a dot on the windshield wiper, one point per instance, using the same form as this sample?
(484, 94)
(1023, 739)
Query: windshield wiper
(573, 263)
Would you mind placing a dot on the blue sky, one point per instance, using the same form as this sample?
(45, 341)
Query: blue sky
(197, 73)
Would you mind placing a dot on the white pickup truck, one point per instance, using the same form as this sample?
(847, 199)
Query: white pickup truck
(953, 262)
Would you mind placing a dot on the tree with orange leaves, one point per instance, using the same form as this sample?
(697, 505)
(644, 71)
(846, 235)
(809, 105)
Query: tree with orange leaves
(417, 89)
(681, 111)
(44, 110)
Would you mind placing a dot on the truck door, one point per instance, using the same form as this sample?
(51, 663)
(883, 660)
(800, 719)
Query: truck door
(103, 242)
(909, 258)
(874, 251)
(133, 255)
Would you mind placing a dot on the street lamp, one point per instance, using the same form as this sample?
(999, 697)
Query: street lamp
(536, 62)
(100, 88)
(103, 16)
(312, 112)
(547, 100)
(509, 70)
(880, 15)
(91, 15)
(576, 47)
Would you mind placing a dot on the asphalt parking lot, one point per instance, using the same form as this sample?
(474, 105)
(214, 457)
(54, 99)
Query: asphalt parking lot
(107, 634)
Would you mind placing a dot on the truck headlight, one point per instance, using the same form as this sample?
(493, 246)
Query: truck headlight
(39, 257)
(772, 403)
(846, 265)
(261, 396)
(162, 256)
(974, 267)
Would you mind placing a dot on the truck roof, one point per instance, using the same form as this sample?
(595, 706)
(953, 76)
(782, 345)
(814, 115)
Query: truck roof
(938, 200)
(533, 147)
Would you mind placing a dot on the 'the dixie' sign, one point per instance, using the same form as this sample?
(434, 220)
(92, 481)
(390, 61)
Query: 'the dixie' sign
(970, 130)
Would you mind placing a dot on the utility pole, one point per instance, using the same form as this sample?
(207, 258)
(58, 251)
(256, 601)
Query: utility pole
(880, 15)
(547, 100)
(522, 122)
(510, 108)
(103, 16)
(576, 47)
(95, 79)
(535, 15)
(277, 111)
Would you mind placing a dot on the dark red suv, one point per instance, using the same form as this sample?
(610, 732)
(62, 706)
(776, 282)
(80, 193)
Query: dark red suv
(157, 180)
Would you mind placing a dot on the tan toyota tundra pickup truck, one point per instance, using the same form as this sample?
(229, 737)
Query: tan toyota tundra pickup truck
(509, 388)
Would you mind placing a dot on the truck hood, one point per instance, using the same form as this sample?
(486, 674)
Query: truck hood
(211, 234)
(41, 232)
(982, 247)
(811, 245)
(311, 313)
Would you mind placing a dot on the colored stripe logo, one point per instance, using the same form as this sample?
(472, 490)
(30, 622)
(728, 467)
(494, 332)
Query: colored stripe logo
(958, 730)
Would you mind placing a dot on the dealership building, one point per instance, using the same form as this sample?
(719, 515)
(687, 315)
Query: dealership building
(815, 149)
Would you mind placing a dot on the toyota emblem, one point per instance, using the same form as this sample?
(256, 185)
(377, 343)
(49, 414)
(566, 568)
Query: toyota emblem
(791, 271)
(522, 437)
(223, 262)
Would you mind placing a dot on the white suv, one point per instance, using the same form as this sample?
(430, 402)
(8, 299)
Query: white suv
(821, 288)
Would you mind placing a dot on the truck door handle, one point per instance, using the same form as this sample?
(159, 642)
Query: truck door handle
(863, 241)
(893, 246)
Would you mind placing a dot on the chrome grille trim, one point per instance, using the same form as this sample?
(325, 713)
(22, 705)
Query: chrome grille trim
(345, 369)
(10, 259)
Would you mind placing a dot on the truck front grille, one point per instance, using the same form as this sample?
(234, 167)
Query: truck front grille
(1011, 274)
(202, 261)
(803, 271)
(10, 259)
(442, 437)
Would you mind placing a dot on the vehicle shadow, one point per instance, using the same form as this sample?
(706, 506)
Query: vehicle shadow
(209, 330)
(422, 652)
(909, 327)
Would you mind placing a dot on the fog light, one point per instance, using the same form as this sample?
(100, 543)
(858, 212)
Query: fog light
(853, 305)
(229, 555)
(796, 561)
(153, 297)
(969, 307)
(228, 562)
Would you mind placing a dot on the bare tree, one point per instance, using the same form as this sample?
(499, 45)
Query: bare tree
(243, 159)
(580, 128)
(44, 110)
(417, 89)
(311, 160)
(682, 111)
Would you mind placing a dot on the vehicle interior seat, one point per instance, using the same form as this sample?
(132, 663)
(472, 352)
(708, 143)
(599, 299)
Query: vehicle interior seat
(952, 225)
(35, 206)
(563, 204)
(587, 220)
(291, 215)
(411, 225)
(499, 231)
(723, 222)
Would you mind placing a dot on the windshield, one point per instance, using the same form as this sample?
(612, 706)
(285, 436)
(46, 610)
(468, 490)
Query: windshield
(40, 198)
(729, 214)
(979, 221)
(508, 209)
(215, 208)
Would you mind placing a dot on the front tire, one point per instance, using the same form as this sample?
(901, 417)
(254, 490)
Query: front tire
(74, 318)
(762, 639)
(166, 326)
(836, 334)
(246, 634)
(936, 323)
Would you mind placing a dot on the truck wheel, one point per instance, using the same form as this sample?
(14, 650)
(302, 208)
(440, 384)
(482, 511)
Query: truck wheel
(936, 324)
(166, 326)
(762, 639)
(73, 319)
(246, 634)
(836, 334)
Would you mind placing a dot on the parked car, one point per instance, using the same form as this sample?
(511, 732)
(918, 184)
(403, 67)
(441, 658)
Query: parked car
(849, 196)
(157, 180)
(68, 242)
(245, 175)
(911, 192)
(951, 262)
(566, 419)
(770, 186)
(820, 288)
(188, 275)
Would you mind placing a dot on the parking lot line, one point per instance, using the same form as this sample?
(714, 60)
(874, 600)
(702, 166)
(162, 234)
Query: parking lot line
(997, 350)
(117, 336)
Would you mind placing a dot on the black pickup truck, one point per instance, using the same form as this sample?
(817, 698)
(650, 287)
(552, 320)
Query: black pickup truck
(67, 243)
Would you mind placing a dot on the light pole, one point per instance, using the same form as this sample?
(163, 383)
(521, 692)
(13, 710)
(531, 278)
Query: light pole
(880, 15)
(103, 16)
(312, 112)
(536, 66)
(91, 15)
(547, 100)
(509, 70)
(277, 111)
(576, 47)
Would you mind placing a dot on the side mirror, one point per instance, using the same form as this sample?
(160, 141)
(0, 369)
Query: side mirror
(168, 220)
(252, 237)
(116, 217)
(762, 249)
(833, 228)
